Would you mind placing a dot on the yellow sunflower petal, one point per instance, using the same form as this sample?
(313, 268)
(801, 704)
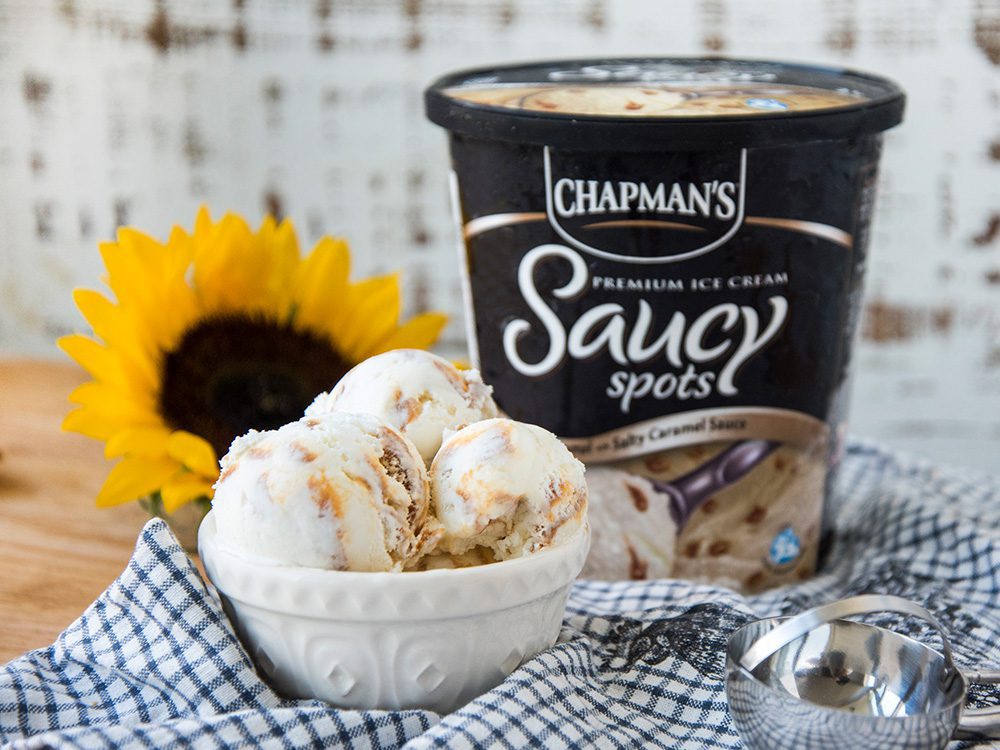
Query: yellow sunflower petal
(194, 452)
(138, 296)
(183, 489)
(104, 364)
(419, 332)
(279, 244)
(233, 275)
(184, 310)
(103, 315)
(85, 422)
(230, 274)
(133, 478)
(155, 282)
(146, 251)
(112, 324)
(373, 315)
(147, 442)
(238, 270)
(179, 251)
(203, 221)
(100, 361)
(133, 270)
(321, 285)
(113, 403)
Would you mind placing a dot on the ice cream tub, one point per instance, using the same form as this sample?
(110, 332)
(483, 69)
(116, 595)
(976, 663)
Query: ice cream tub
(663, 266)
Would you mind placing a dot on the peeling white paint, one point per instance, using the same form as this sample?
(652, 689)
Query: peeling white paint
(317, 105)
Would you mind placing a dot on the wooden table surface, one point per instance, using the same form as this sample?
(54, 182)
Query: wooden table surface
(58, 551)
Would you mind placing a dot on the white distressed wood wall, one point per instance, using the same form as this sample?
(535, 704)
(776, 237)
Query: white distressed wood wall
(137, 111)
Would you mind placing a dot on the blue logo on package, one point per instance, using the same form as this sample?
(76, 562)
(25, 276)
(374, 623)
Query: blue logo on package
(766, 104)
(785, 547)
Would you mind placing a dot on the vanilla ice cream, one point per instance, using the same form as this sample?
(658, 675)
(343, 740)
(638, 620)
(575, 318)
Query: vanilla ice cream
(336, 491)
(510, 487)
(633, 533)
(414, 391)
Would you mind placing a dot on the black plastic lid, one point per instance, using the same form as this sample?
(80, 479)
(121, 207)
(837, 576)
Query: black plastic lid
(872, 104)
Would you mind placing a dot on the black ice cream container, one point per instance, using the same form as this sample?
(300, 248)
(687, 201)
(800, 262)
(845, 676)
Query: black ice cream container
(663, 262)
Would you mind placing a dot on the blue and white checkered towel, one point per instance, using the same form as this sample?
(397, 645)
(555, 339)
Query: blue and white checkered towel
(154, 662)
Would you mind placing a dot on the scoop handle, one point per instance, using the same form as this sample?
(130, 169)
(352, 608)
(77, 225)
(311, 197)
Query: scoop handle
(980, 723)
(795, 627)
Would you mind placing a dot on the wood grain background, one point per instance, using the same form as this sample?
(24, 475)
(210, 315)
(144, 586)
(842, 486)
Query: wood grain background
(137, 111)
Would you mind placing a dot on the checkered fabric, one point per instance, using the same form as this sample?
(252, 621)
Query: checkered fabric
(154, 662)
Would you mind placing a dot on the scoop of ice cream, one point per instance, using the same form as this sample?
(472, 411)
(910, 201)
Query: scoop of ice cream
(414, 391)
(510, 487)
(339, 491)
(633, 534)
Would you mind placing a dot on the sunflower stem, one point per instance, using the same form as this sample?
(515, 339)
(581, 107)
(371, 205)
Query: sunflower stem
(153, 504)
(184, 522)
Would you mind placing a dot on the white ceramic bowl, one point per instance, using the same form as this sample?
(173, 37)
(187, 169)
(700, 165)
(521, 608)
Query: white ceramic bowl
(434, 639)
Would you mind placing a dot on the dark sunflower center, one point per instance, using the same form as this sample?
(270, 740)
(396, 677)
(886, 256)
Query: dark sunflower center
(235, 373)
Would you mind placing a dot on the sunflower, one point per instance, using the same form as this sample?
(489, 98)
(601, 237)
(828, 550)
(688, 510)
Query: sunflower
(211, 334)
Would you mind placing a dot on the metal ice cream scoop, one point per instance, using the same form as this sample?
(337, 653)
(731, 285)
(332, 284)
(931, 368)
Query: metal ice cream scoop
(688, 492)
(818, 681)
